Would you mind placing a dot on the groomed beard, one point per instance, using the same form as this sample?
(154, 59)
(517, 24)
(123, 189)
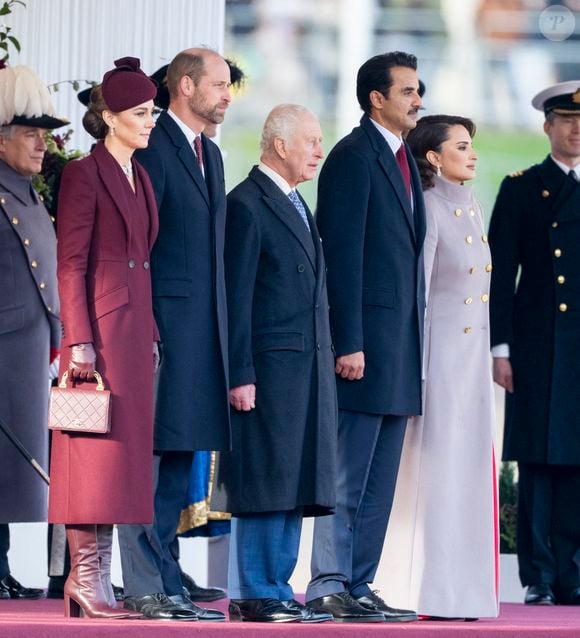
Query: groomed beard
(199, 107)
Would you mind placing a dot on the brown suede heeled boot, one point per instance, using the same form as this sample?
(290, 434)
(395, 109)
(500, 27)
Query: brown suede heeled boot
(83, 589)
(105, 549)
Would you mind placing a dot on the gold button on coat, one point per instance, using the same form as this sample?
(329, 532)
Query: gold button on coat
(471, 212)
(468, 301)
(27, 242)
(545, 194)
(15, 220)
(467, 330)
(484, 238)
(472, 270)
(2, 200)
(469, 239)
(485, 298)
(458, 212)
(34, 263)
(554, 224)
(563, 307)
(488, 268)
(558, 252)
(42, 285)
(561, 279)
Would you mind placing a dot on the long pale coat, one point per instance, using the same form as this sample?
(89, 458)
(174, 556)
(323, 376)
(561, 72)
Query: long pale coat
(441, 545)
(105, 234)
(29, 325)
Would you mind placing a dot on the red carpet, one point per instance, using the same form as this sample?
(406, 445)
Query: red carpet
(43, 619)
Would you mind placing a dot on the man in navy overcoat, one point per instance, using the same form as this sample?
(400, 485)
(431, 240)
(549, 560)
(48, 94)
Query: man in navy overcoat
(372, 222)
(189, 303)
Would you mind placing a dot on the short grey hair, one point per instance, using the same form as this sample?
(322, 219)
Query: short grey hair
(6, 131)
(282, 121)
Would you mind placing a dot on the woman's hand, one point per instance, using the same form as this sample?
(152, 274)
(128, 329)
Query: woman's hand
(82, 361)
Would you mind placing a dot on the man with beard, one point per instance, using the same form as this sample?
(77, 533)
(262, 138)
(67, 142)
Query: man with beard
(189, 302)
(371, 219)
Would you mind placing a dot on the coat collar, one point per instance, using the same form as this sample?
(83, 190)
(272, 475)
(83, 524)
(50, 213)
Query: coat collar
(283, 208)
(187, 156)
(565, 200)
(18, 185)
(111, 176)
(151, 203)
(391, 169)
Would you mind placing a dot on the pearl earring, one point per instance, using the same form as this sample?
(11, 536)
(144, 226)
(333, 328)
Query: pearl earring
(439, 171)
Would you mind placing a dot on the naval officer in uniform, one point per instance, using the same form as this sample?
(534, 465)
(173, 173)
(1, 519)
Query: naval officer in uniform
(29, 323)
(535, 334)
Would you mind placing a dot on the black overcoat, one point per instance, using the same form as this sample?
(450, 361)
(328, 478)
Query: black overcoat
(373, 243)
(283, 451)
(189, 298)
(535, 230)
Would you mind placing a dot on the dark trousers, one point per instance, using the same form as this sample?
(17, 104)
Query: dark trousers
(548, 528)
(263, 554)
(347, 546)
(4, 547)
(147, 562)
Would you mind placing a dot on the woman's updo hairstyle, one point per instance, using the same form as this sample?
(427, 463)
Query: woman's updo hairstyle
(429, 135)
(93, 121)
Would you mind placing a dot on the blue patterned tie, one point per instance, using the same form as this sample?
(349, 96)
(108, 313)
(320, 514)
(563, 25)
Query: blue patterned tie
(293, 196)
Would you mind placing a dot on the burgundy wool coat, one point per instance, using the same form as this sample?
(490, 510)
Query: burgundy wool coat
(105, 234)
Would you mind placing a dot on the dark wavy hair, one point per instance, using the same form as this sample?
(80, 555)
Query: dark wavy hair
(375, 75)
(429, 134)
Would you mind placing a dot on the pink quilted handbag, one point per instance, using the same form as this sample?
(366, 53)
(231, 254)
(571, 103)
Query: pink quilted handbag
(80, 409)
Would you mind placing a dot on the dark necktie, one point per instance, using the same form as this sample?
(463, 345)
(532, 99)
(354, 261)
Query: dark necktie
(404, 168)
(293, 195)
(198, 153)
(572, 174)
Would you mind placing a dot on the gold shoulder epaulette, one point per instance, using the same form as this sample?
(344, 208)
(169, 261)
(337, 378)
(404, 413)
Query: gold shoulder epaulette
(518, 173)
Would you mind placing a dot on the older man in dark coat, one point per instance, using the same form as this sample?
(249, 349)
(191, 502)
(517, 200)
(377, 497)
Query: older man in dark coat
(282, 464)
(189, 302)
(29, 309)
(535, 333)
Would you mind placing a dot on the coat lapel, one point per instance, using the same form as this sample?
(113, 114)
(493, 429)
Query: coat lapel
(151, 203)
(283, 208)
(111, 177)
(391, 169)
(184, 152)
(564, 193)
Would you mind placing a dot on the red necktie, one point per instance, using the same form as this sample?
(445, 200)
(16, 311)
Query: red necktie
(404, 168)
(198, 152)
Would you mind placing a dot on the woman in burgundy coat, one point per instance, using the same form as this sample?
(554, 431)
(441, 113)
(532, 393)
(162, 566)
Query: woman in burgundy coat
(107, 223)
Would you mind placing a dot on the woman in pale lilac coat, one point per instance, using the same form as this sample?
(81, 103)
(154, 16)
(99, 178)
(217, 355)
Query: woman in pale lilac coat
(442, 542)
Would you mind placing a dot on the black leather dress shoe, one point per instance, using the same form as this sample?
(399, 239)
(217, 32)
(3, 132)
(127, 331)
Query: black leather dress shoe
(374, 602)
(309, 615)
(201, 594)
(540, 594)
(262, 610)
(207, 615)
(344, 608)
(11, 588)
(158, 607)
(569, 596)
